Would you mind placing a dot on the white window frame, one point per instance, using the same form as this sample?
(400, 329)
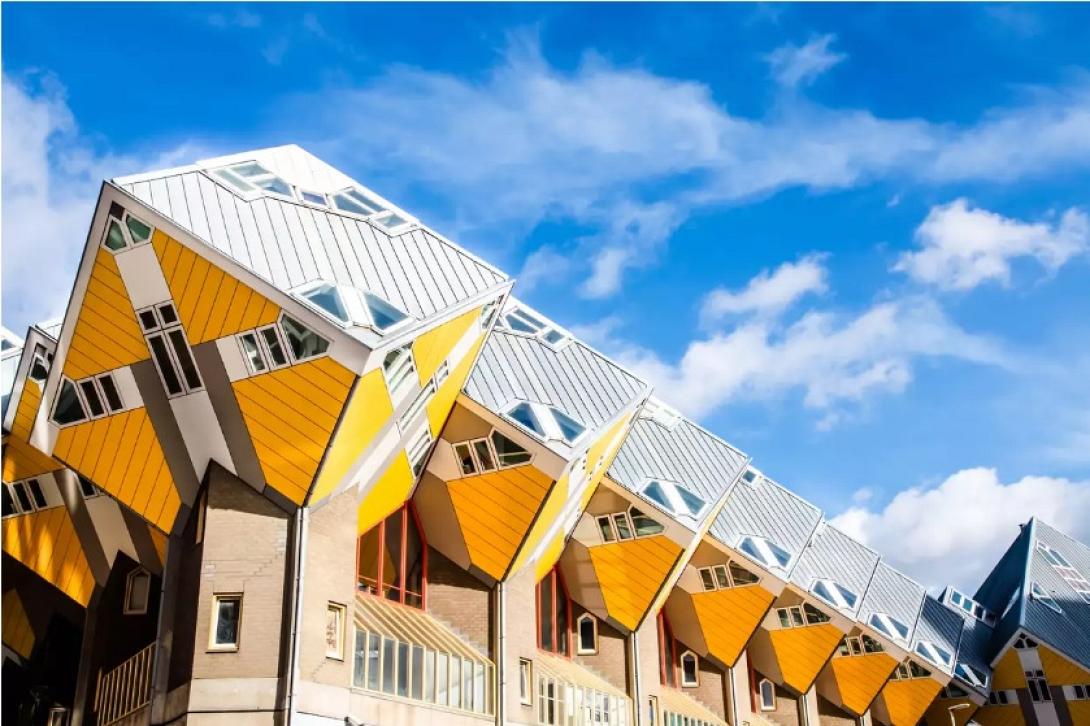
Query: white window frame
(1043, 596)
(227, 174)
(579, 649)
(164, 330)
(142, 608)
(401, 377)
(526, 682)
(1037, 685)
(930, 651)
(123, 225)
(1024, 642)
(551, 335)
(626, 516)
(418, 406)
(885, 626)
(24, 485)
(340, 612)
(417, 448)
(544, 415)
(262, 348)
(475, 456)
(765, 704)
(695, 682)
(381, 216)
(766, 554)
(713, 572)
(675, 503)
(837, 591)
(96, 384)
(41, 357)
(213, 646)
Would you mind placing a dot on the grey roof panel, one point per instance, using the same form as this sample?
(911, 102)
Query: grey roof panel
(766, 509)
(940, 626)
(893, 594)
(1068, 631)
(975, 645)
(683, 453)
(833, 555)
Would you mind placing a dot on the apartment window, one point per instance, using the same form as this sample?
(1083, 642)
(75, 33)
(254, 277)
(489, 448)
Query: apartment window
(553, 614)
(137, 592)
(1079, 692)
(971, 675)
(124, 231)
(953, 690)
(908, 670)
(690, 670)
(400, 370)
(674, 498)
(889, 625)
(548, 422)
(263, 349)
(1038, 686)
(334, 630)
(8, 502)
(92, 397)
(249, 176)
(226, 622)
(799, 616)
(488, 454)
(170, 350)
(835, 594)
(418, 447)
(39, 365)
(722, 577)
(859, 645)
(764, 551)
(630, 524)
(23, 497)
(766, 689)
(87, 488)
(526, 682)
(1024, 642)
(393, 558)
(586, 627)
(1064, 567)
(999, 698)
(303, 342)
(1044, 597)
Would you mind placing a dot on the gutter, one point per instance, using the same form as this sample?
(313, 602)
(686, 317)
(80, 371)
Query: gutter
(296, 609)
(501, 653)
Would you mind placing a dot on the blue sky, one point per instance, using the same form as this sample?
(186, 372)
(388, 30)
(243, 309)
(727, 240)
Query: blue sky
(850, 239)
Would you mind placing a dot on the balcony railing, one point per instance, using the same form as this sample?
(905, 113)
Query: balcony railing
(126, 689)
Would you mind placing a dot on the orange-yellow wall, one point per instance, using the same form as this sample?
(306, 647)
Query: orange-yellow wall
(388, 493)
(1059, 671)
(27, 409)
(907, 700)
(728, 618)
(18, 634)
(21, 460)
(938, 714)
(1010, 715)
(432, 347)
(121, 454)
(47, 543)
(860, 678)
(803, 652)
(1008, 672)
(630, 574)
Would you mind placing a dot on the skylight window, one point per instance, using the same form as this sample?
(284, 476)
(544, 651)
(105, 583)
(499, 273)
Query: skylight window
(834, 593)
(355, 201)
(523, 321)
(971, 675)
(547, 422)
(934, 653)
(328, 298)
(250, 176)
(889, 625)
(1053, 556)
(350, 306)
(765, 552)
(970, 606)
(1042, 596)
(674, 498)
(383, 315)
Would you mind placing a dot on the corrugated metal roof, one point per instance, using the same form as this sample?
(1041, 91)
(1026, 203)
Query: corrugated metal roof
(575, 378)
(683, 453)
(975, 645)
(766, 509)
(938, 625)
(1068, 631)
(833, 555)
(290, 243)
(893, 594)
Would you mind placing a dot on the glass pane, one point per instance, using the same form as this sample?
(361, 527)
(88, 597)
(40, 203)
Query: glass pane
(252, 352)
(69, 409)
(383, 314)
(813, 615)
(373, 642)
(115, 239)
(414, 562)
(304, 343)
(441, 679)
(312, 197)
(509, 453)
(655, 493)
(644, 525)
(346, 203)
(785, 621)
(185, 359)
(741, 575)
(90, 394)
(139, 586)
(403, 669)
(621, 522)
(545, 613)
(570, 429)
(391, 570)
(389, 651)
(518, 324)
(455, 695)
(109, 389)
(606, 529)
(328, 299)
(359, 658)
(465, 459)
(523, 414)
(139, 231)
(276, 351)
(484, 455)
(692, 502)
(707, 579)
(586, 635)
(167, 313)
(23, 497)
(467, 685)
(227, 612)
(147, 320)
(429, 676)
(563, 627)
(274, 184)
(721, 577)
(796, 617)
(9, 504)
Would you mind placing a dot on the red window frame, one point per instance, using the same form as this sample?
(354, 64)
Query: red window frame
(376, 586)
(668, 655)
(555, 578)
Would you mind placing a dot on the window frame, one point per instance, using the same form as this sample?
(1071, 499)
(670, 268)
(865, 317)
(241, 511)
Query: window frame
(127, 609)
(551, 429)
(163, 331)
(377, 587)
(400, 375)
(579, 647)
(126, 233)
(675, 504)
(760, 545)
(714, 571)
(836, 592)
(340, 610)
(1037, 685)
(684, 680)
(611, 518)
(764, 704)
(893, 633)
(1043, 596)
(526, 682)
(242, 185)
(213, 646)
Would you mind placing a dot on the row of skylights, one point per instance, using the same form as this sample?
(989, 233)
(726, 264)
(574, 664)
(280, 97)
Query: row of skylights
(548, 422)
(972, 675)
(970, 606)
(890, 626)
(1066, 570)
(520, 320)
(674, 498)
(250, 177)
(350, 306)
(835, 594)
(764, 551)
(661, 414)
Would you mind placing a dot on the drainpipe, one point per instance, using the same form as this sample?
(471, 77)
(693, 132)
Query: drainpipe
(501, 653)
(296, 610)
(732, 694)
(635, 687)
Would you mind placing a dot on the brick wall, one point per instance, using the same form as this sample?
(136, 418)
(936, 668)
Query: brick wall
(609, 661)
(831, 715)
(461, 601)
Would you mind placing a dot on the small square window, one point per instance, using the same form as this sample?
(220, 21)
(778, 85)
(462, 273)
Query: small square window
(526, 680)
(137, 592)
(226, 623)
(587, 633)
(334, 631)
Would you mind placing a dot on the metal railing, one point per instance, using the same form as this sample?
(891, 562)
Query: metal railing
(126, 689)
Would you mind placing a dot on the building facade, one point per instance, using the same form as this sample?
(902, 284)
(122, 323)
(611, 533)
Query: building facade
(291, 456)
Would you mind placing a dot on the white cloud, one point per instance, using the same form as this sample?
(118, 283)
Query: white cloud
(630, 155)
(833, 360)
(792, 65)
(769, 293)
(955, 532)
(51, 180)
(963, 246)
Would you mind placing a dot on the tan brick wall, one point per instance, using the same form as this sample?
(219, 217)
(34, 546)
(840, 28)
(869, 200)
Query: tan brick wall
(244, 551)
(520, 640)
(831, 715)
(711, 692)
(461, 601)
(609, 661)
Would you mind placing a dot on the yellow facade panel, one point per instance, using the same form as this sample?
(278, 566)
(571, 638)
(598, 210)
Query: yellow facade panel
(434, 346)
(938, 713)
(494, 512)
(388, 493)
(860, 678)
(1080, 712)
(366, 414)
(1059, 671)
(1010, 715)
(21, 460)
(18, 635)
(121, 454)
(442, 403)
(47, 543)
(728, 618)
(908, 700)
(1008, 673)
(630, 574)
(803, 652)
(27, 410)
